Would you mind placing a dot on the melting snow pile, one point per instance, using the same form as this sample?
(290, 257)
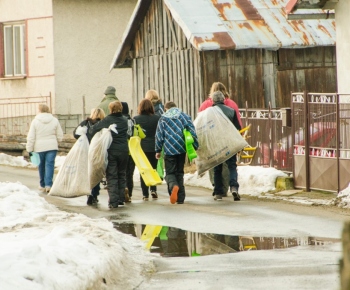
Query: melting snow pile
(44, 248)
(343, 198)
(253, 180)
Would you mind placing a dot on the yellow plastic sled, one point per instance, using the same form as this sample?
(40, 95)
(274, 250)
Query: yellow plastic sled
(245, 157)
(149, 175)
(149, 234)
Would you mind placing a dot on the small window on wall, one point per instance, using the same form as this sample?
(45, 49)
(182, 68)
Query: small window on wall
(14, 50)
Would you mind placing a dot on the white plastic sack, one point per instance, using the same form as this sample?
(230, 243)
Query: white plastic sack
(71, 180)
(98, 155)
(81, 130)
(218, 139)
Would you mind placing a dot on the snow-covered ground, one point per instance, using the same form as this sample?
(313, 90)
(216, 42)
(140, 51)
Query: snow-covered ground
(44, 248)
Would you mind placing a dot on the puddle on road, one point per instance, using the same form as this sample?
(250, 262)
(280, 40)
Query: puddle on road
(175, 242)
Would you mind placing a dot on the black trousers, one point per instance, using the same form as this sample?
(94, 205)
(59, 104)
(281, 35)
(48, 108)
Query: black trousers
(130, 168)
(151, 156)
(116, 176)
(174, 169)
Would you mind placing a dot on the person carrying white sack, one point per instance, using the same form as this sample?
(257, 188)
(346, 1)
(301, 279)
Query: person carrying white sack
(218, 101)
(118, 153)
(208, 103)
(96, 115)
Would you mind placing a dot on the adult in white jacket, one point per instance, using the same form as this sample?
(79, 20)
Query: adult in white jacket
(44, 134)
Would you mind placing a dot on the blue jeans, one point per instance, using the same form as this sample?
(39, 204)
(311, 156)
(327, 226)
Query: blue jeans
(232, 167)
(47, 167)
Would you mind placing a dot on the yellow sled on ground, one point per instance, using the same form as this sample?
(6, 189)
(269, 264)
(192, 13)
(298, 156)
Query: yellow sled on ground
(149, 175)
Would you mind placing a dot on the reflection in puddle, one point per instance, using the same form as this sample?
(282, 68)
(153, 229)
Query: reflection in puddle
(175, 242)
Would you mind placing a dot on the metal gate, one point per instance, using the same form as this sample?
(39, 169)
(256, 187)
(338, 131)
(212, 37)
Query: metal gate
(16, 114)
(321, 149)
(270, 133)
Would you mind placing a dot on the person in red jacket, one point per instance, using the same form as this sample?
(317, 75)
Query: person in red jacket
(217, 86)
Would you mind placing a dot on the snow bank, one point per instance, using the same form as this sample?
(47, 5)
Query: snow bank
(44, 248)
(253, 180)
(343, 198)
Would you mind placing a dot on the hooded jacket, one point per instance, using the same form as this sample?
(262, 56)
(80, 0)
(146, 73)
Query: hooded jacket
(170, 132)
(158, 108)
(44, 134)
(109, 98)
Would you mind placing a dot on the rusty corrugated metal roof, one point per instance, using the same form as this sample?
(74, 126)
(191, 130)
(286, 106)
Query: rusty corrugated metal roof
(237, 24)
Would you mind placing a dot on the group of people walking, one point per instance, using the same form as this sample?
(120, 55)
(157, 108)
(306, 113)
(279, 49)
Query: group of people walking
(163, 126)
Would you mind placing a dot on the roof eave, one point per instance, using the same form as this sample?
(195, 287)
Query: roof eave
(304, 14)
(120, 57)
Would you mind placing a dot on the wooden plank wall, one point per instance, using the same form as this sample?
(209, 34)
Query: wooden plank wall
(310, 69)
(241, 71)
(262, 77)
(165, 60)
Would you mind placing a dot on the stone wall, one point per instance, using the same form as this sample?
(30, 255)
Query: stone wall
(13, 143)
(69, 122)
(16, 145)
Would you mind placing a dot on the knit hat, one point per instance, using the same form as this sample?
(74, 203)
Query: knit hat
(110, 90)
(125, 110)
(218, 97)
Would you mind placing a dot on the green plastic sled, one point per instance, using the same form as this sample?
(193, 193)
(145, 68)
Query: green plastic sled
(191, 152)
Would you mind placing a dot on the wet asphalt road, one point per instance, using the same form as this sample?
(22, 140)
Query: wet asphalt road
(304, 267)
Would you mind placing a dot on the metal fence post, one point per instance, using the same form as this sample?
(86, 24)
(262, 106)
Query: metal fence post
(293, 131)
(270, 138)
(338, 142)
(307, 141)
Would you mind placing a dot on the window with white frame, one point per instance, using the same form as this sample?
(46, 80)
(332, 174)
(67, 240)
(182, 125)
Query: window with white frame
(14, 50)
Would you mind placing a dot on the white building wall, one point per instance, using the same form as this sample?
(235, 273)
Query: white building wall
(24, 9)
(37, 15)
(86, 36)
(343, 46)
